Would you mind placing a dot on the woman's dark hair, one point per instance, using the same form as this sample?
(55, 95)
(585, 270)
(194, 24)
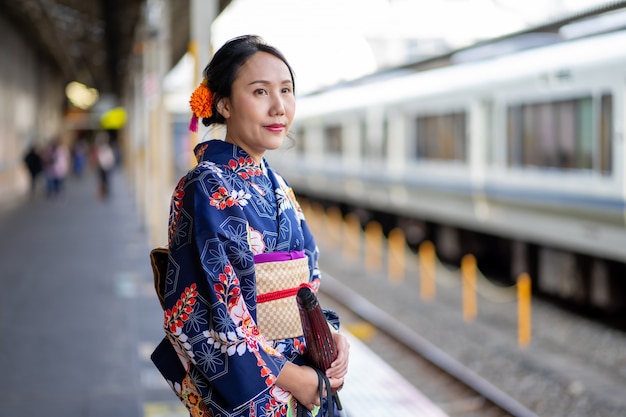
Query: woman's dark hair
(225, 64)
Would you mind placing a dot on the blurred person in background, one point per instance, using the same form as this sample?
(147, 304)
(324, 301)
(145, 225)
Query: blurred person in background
(34, 164)
(104, 159)
(229, 215)
(56, 166)
(80, 152)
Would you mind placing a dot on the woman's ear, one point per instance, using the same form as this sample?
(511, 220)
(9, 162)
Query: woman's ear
(223, 107)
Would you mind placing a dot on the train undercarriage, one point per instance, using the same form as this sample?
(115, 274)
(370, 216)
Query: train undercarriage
(590, 285)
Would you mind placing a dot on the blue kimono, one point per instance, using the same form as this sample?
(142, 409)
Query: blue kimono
(223, 212)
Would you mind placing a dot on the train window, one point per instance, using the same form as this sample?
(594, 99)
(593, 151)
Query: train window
(333, 140)
(606, 133)
(556, 134)
(441, 136)
(584, 136)
(514, 135)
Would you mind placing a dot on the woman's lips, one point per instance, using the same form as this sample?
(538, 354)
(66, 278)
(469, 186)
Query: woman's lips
(275, 127)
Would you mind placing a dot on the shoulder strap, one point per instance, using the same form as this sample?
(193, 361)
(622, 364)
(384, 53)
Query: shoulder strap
(158, 260)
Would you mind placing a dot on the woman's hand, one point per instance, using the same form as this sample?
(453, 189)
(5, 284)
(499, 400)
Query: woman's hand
(302, 382)
(339, 368)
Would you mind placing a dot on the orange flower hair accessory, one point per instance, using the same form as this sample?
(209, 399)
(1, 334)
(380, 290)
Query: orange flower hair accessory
(201, 104)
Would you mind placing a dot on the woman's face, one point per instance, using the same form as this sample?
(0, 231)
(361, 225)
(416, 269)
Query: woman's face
(261, 107)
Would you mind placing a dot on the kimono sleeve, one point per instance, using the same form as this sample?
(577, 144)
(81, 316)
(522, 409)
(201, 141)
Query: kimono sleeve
(206, 312)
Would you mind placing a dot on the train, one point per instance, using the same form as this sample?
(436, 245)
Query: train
(515, 157)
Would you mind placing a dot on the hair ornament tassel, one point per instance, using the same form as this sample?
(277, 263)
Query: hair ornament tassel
(193, 123)
(201, 103)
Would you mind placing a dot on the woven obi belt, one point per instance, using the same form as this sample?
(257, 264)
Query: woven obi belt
(279, 275)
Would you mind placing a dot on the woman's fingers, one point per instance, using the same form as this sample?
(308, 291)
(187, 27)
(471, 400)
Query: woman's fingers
(339, 367)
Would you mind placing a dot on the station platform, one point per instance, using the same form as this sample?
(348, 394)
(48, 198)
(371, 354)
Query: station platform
(79, 317)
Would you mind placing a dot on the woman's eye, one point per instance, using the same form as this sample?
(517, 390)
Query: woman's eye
(260, 91)
(287, 90)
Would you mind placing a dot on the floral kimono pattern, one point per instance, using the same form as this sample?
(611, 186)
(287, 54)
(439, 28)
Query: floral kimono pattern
(223, 212)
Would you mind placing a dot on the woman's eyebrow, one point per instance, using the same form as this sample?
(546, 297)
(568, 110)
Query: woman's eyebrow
(269, 82)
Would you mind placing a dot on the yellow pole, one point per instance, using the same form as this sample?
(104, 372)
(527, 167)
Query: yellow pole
(352, 237)
(426, 254)
(373, 246)
(524, 309)
(468, 270)
(317, 212)
(193, 136)
(333, 231)
(395, 255)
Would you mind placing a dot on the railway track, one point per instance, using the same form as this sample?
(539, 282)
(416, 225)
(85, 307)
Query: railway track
(453, 387)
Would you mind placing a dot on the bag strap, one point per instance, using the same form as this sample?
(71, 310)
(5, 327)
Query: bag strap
(301, 411)
(322, 381)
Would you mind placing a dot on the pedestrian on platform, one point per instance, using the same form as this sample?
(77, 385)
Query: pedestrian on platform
(104, 159)
(80, 156)
(233, 219)
(56, 165)
(34, 164)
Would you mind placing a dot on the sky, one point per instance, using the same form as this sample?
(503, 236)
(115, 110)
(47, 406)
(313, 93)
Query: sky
(327, 41)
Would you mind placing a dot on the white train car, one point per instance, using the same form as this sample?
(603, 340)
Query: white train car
(526, 147)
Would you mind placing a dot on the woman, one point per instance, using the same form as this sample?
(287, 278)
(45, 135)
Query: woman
(232, 217)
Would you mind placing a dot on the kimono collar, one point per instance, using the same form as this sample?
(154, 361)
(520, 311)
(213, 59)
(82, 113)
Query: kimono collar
(221, 152)
(232, 156)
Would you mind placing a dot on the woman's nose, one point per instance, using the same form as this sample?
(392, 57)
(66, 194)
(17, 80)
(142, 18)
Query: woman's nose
(278, 107)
